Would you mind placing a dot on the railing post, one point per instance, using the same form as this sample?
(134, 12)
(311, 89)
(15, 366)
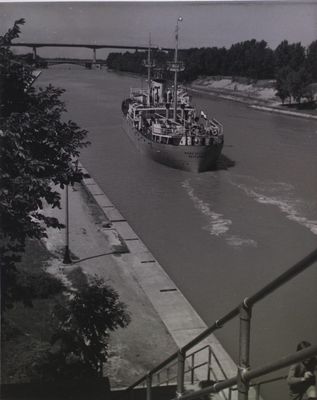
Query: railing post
(131, 397)
(34, 55)
(244, 350)
(257, 392)
(192, 368)
(149, 387)
(209, 363)
(180, 373)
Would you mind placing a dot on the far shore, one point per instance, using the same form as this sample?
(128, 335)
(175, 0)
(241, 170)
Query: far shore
(259, 95)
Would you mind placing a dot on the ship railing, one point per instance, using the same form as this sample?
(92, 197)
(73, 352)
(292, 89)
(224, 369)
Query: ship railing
(138, 92)
(167, 131)
(241, 382)
(215, 123)
(187, 132)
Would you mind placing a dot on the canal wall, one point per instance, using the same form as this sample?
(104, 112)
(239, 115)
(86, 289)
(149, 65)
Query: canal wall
(180, 319)
(285, 112)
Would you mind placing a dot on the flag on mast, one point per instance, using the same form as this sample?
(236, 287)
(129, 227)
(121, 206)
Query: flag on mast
(202, 114)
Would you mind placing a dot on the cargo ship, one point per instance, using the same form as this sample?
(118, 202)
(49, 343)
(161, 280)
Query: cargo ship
(164, 126)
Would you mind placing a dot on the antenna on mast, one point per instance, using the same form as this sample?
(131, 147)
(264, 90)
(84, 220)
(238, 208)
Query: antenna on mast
(176, 66)
(149, 64)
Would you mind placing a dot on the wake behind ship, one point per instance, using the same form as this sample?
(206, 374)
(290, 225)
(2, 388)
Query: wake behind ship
(178, 137)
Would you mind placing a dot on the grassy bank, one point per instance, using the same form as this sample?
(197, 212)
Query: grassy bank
(26, 330)
(260, 93)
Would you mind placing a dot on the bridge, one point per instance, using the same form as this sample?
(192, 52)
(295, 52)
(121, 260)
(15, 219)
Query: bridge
(88, 63)
(94, 47)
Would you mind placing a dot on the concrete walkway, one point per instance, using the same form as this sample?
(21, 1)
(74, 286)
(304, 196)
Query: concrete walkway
(162, 319)
(145, 342)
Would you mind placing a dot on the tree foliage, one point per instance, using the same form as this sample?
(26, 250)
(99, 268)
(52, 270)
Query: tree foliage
(289, 64)
(252, 59)
(299, 81)
(289, 55)
(37, 149)
(84, 323)
(282, 84)
(311, 61)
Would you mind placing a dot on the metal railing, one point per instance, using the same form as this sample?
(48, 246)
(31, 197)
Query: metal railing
(190, 358)
(242, 381)
(257, 386)
(164, 376)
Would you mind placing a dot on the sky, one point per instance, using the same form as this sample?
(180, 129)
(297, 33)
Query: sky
(205, 24)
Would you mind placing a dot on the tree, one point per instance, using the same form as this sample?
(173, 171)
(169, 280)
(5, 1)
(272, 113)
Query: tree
(289, 55)
(299, 81)
(291, 83)
(282, 83)
(37, 149)
(312, 60)
(84, 322)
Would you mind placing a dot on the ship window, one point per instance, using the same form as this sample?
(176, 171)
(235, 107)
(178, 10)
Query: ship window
(164, 140)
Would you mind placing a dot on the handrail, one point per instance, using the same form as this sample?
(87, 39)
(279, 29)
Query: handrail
(190, 369)
(219, 364)
(249, 301)
(283, 278)
(154, 370)
(257, 385)
(198, 351)
(283, 362)
(254, 373)
(164, 364)
(217, 325)
(278, 378)
(245, 306)
(260, 383)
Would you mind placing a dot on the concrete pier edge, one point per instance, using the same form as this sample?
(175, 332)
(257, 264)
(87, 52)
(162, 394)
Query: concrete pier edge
(180, 319)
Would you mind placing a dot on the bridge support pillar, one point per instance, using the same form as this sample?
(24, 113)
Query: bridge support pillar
(34, 53)
(94, 57)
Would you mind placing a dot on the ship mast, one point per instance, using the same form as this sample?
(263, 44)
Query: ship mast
(149, 64)
(149, 73)
(176, 67)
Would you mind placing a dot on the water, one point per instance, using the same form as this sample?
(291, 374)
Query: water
(220, 235)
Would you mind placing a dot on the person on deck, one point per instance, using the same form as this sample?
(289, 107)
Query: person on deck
(301, 377)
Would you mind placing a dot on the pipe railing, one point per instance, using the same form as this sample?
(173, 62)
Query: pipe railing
(244, 375)
(254, 373)
(191, 368)
(258, 385)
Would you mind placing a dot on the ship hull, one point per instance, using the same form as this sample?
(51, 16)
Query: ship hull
(187, 158)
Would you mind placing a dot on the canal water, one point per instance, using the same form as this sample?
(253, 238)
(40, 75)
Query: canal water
(220, 235)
